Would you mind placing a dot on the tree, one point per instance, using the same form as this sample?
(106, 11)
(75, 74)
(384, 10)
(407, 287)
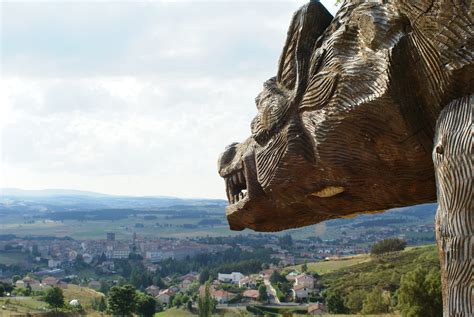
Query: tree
(304, 267)
(205, 303)
(28, 290)
(178, 300)
(335, 303)
(15, 278)
(262, 293)
(355, 300)
(204, 276)
(6, 287)
(122, 299)
(146, 305)
(54, 298)
(420, 293)
(388, 245)
(375, 302)
(99, 304)
(276, 277)
(104, 286)
(286, 240)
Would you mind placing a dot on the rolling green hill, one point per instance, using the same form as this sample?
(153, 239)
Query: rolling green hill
(385, 270)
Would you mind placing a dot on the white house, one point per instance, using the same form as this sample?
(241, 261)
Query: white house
(164, 296)
(300, 292)
(233, 277)
(53, 263)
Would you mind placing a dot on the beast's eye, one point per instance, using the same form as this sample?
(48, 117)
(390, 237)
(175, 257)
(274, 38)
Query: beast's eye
(259, 133)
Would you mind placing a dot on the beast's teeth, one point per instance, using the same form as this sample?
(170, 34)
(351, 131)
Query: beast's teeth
(241, 195)
(235, 179)
(241, 178)
(236, 198)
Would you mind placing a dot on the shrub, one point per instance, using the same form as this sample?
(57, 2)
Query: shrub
(388, 245)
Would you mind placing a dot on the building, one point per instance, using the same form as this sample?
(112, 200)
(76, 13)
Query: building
(305, 280)
(110, 236)
(118, 254)
(153, 290)
(157, 256)
(265, 274)
(233, 277)
(164, 296)
(300, 292)
(250, 294)
(317, 309)
(291, 276)
(53, 263)
(222, 297)
(248, 282)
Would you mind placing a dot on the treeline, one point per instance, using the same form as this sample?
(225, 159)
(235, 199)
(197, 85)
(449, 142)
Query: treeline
(233, 259)
(379, 223)
(117, 214)
(9, 237)
(388, 245)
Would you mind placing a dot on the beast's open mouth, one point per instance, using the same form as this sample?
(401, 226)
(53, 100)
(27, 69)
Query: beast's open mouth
(236, 186)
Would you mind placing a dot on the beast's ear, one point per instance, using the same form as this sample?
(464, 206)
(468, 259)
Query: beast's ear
(308, 23)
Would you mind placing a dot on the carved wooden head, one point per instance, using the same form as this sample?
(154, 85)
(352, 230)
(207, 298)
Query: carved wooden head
(346, 126)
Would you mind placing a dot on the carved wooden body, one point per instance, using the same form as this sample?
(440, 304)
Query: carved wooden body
(348, 126)
(452, 156)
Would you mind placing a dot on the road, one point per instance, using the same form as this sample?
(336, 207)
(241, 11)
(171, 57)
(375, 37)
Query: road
(272, 294)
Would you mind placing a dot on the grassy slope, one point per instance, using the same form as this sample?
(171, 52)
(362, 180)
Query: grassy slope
(383, 270)
(83, 294)
(34, 304)
(20, 305)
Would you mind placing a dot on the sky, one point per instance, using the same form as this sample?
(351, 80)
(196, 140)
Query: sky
(131, 97)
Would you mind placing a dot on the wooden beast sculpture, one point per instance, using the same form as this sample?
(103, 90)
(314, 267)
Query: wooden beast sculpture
(360, 108)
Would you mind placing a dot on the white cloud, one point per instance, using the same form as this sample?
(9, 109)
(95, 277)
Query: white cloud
(139, 98)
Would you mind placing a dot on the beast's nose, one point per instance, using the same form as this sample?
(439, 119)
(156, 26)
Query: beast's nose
(226, 157)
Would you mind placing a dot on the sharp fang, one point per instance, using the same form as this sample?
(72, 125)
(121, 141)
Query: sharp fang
(235, 179)
(241, 178)
(241, 195)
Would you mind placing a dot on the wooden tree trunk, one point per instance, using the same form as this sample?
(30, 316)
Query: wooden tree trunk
(452, 156)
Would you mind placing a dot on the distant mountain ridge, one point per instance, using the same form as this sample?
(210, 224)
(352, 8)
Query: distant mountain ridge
(17, 192)
(74, 200)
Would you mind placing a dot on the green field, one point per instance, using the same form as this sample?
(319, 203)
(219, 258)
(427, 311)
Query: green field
(124, 228)
(324, 267)
(13, 258)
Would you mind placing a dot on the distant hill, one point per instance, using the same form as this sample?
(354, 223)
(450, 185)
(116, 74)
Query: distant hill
(58, 200)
